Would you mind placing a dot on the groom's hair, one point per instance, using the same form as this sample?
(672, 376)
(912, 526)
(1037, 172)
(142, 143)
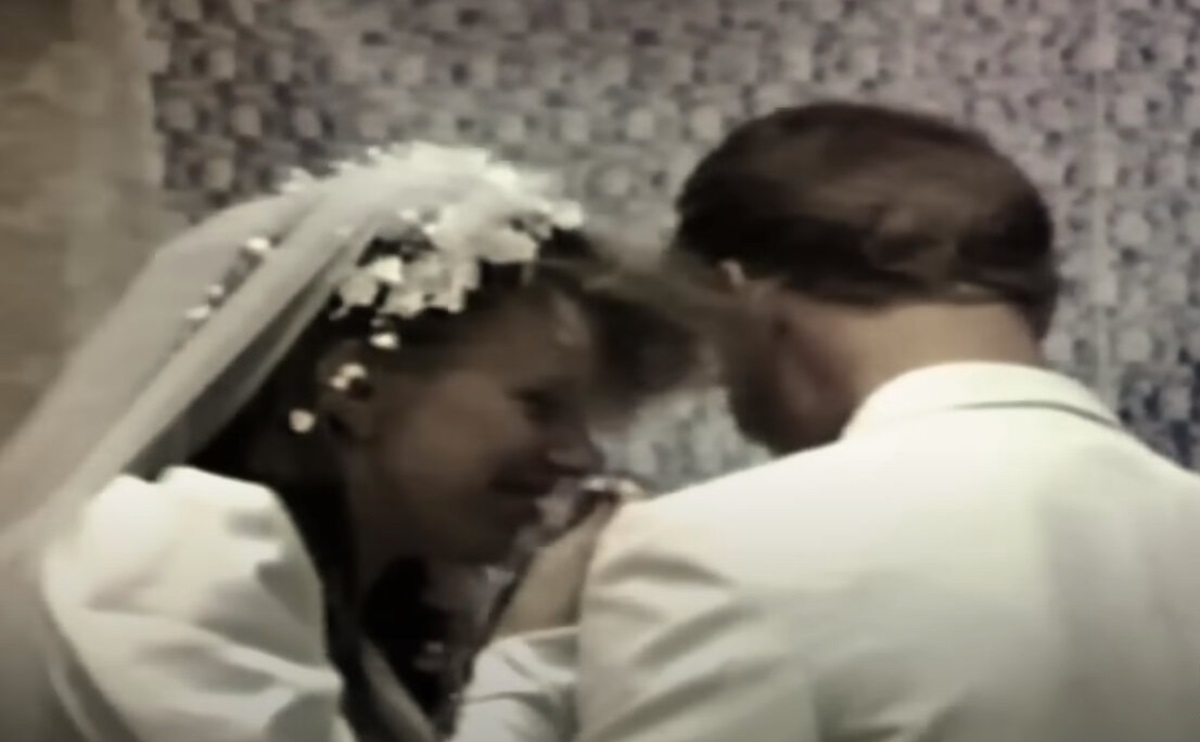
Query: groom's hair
(871, 205)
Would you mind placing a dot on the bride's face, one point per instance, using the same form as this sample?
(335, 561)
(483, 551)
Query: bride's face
(463, 456)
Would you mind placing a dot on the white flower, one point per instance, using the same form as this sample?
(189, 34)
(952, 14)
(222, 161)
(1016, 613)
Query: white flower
(388, 271)
(452, 231)
(447, 239)
(301, 421)
(467, 274)
(428, 271)
(385, 341)
(404, 302)
(507, 246)
(197, 315)
(506, 176)
(567, 216)
(346, 375)
(452, 299)
(538, 225)
(359, 289)
(257, 246)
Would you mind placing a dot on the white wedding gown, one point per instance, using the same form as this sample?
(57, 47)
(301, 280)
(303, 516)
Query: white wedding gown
(186, 609)
(192, 612)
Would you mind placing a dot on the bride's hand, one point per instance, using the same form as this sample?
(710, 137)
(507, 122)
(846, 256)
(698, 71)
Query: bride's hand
(549, 593)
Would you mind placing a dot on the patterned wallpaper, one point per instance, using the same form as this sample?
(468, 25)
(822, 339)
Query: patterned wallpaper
(1097, 98)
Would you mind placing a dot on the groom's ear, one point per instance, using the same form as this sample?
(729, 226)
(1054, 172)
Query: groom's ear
(732, 275)
(345, 392)
(758, 294)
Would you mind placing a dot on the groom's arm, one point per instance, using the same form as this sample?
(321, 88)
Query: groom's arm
(679, 642)
(673, 647)
(522, 690)
(524, 684)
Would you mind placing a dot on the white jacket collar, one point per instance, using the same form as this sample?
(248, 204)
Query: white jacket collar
(974, 385)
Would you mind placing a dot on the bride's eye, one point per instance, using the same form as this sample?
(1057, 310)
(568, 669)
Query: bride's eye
(541, 405)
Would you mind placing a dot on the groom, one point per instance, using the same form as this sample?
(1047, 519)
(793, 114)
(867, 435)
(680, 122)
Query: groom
(955, 542)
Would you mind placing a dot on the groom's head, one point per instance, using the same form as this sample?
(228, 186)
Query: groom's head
(864, 241)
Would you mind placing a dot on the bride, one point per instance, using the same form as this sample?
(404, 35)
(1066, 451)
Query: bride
(220, 522)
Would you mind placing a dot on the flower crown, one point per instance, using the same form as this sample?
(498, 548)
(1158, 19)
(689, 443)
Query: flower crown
(427, 255)
(433, 257)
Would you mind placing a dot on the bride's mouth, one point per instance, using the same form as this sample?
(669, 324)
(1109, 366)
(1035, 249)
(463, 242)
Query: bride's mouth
(524, 499)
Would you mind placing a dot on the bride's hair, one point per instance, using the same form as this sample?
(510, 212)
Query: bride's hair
(640, 352)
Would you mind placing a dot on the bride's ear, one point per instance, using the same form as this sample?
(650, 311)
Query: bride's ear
(345, 393)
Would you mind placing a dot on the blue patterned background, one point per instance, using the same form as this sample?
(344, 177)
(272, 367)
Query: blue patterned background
(1097, 98)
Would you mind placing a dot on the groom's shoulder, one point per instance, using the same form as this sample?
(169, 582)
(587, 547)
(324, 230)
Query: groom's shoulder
(737, 528)
(764, 493)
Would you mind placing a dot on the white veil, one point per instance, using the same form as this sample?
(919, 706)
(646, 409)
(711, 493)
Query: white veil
(155, 367)
(169, 366)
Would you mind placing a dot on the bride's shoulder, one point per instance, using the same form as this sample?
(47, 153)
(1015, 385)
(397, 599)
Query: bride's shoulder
(179, 596)
(187, 533)
(187, 496)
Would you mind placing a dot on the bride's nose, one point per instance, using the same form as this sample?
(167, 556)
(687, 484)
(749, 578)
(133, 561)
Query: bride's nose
(574, 453)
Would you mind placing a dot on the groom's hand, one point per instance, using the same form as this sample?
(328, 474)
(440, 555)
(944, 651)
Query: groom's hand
(549, 594)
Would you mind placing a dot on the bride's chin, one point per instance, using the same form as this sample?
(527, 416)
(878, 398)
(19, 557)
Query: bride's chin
(492, 544)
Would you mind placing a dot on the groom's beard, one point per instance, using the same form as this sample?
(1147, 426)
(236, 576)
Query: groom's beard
(784, 418)
(761, 418)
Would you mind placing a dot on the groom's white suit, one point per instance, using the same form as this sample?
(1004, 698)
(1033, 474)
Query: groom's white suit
(986, 556)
